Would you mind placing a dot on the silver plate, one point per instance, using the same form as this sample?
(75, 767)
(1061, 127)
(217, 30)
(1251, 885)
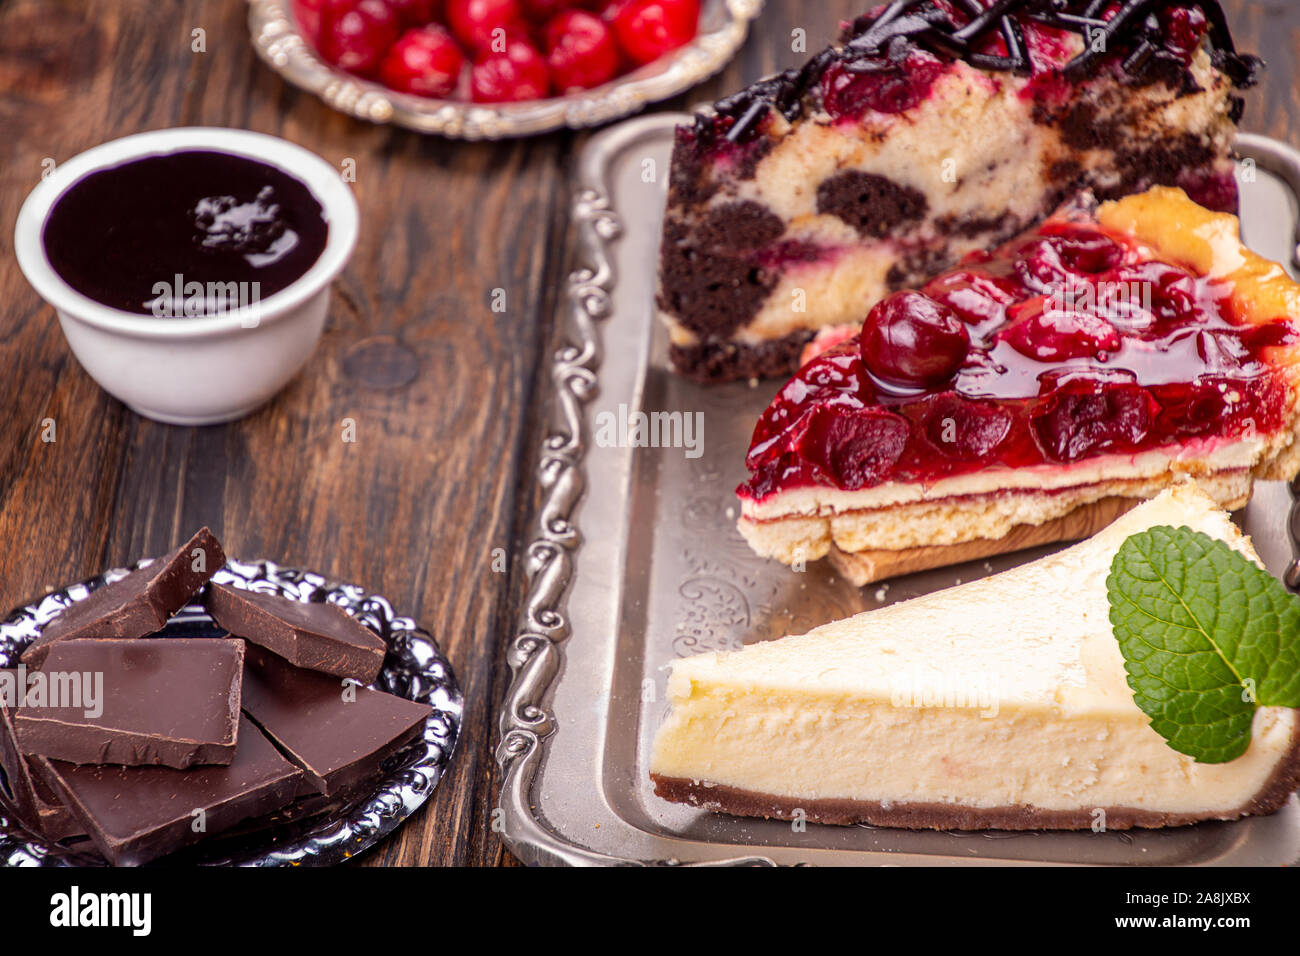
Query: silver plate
(636, 562)
(414, 668)
(723, 27)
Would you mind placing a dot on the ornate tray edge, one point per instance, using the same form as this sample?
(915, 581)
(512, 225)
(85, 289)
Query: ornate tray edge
(536, 651)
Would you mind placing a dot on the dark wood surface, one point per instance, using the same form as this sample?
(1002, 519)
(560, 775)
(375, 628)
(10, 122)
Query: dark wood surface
(446, 393)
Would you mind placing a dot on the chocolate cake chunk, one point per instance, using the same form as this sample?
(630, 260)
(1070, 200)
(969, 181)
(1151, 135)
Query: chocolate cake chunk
(710, 362)
(338, 733)
(873, 205)
(170, 702)
(928, 131)
(137, 814)
(140, 603)
(315, 635)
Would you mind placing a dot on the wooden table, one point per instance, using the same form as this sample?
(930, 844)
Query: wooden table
(432, 500)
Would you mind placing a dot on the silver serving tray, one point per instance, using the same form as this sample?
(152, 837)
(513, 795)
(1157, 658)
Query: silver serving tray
(413, 668)
(723, 27)
(636, 562)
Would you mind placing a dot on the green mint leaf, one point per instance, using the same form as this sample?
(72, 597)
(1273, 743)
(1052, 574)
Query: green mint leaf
(1206, 636)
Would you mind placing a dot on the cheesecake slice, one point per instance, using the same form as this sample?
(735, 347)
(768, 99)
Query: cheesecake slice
(999, 704)
(931, 129)
(1083, 367)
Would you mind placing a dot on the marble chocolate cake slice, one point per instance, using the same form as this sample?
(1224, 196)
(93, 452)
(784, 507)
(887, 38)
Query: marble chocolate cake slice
(930, 129)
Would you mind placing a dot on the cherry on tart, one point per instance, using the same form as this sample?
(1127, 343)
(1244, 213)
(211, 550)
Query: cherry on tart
(913, 341)
(1105, 355)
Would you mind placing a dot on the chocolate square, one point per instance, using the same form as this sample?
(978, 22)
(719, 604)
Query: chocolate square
(140, 603)
(338, 733)
(315, 635)
(137, 814)
(171, 702)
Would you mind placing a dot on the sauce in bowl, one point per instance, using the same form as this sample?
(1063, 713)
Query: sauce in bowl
(184, 234)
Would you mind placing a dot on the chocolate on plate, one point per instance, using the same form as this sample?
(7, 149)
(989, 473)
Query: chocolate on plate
(338, 733)
(18, 784)
(171, 702)
(37, 805)
(317, 635)
(53, 820)
(144, 745)
(140, 603)
(137, 814)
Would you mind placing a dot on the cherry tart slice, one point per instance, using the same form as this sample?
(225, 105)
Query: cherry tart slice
(1034, 393)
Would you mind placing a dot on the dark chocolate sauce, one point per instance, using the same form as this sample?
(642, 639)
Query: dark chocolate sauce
(120, 234)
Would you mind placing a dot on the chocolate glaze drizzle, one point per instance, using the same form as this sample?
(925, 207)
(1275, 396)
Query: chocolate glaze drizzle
(1134, 32)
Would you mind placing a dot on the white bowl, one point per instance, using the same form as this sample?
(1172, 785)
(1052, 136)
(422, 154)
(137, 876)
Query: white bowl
(194, 371)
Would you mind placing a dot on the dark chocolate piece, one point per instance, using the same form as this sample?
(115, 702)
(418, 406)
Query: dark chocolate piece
(17, 778)
(318, 636)
(338, 733)
(140, 603)
(171, 702)
(53, 820)
(38, 807)
(137, 814)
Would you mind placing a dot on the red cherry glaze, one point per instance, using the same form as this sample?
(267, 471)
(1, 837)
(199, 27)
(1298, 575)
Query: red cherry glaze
(1087, 415)
(969, 431)
(913, 341)
(1118, 355)
(1048, 332)
(647, 29)
(850, 89)
(1184, 28)
(580, 51)
(517, 73)
(425, 61)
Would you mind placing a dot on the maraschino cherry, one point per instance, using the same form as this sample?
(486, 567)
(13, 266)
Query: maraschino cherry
(912, 341)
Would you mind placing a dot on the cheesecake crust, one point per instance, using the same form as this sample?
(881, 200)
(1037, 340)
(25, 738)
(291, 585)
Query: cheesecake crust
(717, 798)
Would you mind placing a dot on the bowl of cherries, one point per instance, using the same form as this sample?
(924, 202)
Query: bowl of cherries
(489, 69)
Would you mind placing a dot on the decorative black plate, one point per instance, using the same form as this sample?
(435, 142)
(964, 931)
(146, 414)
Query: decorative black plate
(414, 668)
